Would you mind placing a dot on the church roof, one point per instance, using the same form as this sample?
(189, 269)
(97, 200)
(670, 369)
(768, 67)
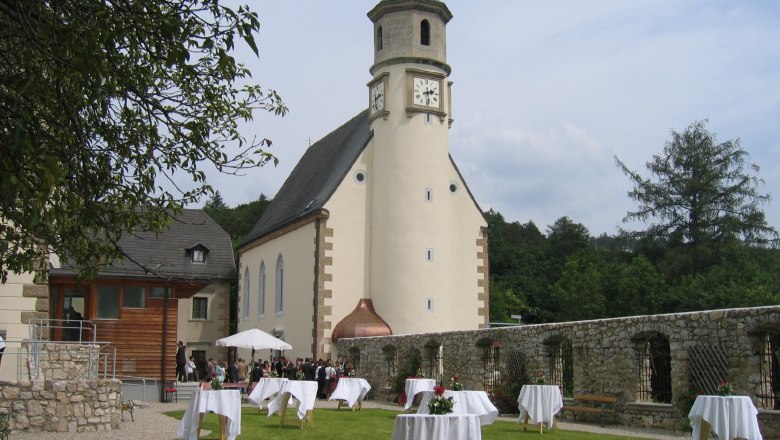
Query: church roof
(315, 178)
(169, 253)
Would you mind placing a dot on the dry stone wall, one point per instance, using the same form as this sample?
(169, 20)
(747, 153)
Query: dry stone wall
(606, 357)
(58, 396)
(62, 406)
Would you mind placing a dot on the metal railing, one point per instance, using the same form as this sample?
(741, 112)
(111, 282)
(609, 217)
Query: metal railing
(76, 338)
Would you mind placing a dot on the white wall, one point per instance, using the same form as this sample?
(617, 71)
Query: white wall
(296, 320)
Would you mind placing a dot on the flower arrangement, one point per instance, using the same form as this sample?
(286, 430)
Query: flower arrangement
(215, 383)
(299, 375)
(273, 373)
(540, 378)
(352, 373)
(440, 404)
(456, 384)
(420, 373)
(725, 388)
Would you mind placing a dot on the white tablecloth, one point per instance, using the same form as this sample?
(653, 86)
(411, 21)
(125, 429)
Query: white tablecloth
(265, 388)
(434, 427)
(414, 386)
(224, 402)
(729, 417)
(541, 402)
(351, 389)
(303, 390)
(466, 402)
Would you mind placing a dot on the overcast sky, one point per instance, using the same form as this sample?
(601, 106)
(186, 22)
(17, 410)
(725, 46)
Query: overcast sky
(545, 93)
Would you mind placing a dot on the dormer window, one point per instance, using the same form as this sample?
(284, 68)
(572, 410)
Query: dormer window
(425, 33)
(197, 253)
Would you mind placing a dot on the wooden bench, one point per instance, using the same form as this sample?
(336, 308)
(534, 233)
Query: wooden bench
(597, 405)
(128, 406)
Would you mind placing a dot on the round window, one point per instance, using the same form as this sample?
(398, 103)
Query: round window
(453, 187)
(360, 177)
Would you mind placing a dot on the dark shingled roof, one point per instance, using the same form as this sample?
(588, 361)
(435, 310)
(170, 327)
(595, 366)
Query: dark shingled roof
(315, 178)
(166, 254)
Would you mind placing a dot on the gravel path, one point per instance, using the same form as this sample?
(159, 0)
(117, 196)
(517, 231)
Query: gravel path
(151, 423)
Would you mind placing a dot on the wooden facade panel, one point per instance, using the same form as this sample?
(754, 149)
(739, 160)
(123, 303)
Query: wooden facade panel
(138, 340)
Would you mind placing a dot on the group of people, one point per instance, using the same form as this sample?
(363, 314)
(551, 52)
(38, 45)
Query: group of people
(204, 370)
(325, 372)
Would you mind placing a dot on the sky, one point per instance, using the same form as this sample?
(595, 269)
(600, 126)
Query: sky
(546, 94)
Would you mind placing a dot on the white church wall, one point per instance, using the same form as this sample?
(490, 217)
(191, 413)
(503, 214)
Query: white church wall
(296, 319)
(349, 220)
(466, 229)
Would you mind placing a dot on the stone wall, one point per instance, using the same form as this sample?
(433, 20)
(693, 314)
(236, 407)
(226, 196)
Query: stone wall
(605, 356)
(62, 392)
(62, 406)
(58, 361)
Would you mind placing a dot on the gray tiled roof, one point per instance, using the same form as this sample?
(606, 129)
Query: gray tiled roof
(316, 176)
(167, 254)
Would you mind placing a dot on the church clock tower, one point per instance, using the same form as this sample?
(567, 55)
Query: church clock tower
(412, 189)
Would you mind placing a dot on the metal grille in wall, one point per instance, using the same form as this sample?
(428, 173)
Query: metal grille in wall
(769, 391)
(435, 365)
(655, 370)
(354, 358)
(391, 360)
(708, 367)
(491, 361)
(561, 366)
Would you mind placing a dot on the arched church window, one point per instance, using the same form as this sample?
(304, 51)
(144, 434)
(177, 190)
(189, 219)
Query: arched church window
(379, 38)
(245, 296)
(261, 292)
(279, 285)
(425, 33)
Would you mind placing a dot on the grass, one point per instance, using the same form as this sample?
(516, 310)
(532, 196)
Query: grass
(368, 423)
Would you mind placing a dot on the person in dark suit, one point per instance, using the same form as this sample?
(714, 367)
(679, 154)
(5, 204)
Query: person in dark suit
(181, 362)
(232, 373)
(309, 369)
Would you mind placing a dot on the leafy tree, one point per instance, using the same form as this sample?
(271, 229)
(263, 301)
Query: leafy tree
(101, 102)
(639, 289)
(702, 195)
(238, 221)
(518, 267)
(580, 290)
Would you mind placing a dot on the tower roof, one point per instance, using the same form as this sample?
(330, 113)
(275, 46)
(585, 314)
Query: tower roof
(386, 6)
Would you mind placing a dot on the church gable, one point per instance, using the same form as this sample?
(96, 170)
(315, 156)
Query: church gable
(315, 177)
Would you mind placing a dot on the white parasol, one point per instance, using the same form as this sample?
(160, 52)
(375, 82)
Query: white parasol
(255, 339)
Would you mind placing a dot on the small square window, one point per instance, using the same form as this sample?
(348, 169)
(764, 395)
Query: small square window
(200, 308)
(160, 292)
(198, 256)
(134, 297)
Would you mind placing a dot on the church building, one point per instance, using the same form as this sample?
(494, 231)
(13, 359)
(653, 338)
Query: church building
(374, 232)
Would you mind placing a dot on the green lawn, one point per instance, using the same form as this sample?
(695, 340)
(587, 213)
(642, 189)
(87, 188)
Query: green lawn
(368, 423)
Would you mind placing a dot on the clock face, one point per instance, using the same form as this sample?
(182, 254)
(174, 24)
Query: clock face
(378, 97)
(426, 92)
